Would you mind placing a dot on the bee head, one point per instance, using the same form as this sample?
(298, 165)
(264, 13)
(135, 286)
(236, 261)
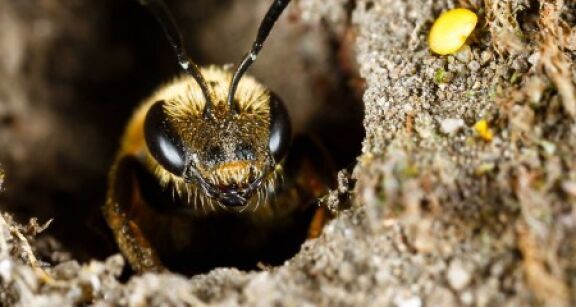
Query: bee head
(228, 133)
(230, 152)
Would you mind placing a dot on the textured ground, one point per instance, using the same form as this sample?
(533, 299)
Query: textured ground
(439, 215)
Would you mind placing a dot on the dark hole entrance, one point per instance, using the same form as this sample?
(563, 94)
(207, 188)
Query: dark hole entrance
(106, 56)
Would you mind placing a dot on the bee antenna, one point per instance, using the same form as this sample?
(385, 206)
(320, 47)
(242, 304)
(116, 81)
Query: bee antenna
(164, 17)
(266, 25)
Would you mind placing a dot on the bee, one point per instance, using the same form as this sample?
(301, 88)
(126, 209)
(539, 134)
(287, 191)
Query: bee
(208, 172)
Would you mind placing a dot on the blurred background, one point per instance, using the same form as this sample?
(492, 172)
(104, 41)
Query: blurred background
(72, 71)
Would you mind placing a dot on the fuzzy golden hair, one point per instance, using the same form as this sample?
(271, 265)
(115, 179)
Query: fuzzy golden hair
(184, 104)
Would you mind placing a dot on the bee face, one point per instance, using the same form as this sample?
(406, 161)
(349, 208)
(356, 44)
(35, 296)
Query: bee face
(214, 137)
(229, 153)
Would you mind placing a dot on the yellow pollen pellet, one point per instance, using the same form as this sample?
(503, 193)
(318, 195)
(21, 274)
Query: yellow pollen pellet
(481, 127)
(450, 31)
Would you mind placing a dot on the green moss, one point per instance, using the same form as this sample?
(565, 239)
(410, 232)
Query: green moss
(439, 76)
(515, 78)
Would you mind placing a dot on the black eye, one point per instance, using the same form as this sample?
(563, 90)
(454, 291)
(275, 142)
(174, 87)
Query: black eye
(163, 143)
(280, 128)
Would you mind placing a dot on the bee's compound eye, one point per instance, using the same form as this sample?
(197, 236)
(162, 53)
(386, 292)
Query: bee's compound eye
(280, 128)
(164, 144)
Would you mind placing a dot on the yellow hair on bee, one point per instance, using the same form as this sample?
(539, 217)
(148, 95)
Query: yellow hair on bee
(232, 172)
(184, 98)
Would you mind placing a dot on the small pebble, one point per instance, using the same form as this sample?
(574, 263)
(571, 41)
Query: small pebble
(464, 54)
(346, 272)
(451, 125)
(6, 268)
(474, 66)
(485, 57)
(410, 302)
(458, 276)
(569, 187)
(467, 298)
